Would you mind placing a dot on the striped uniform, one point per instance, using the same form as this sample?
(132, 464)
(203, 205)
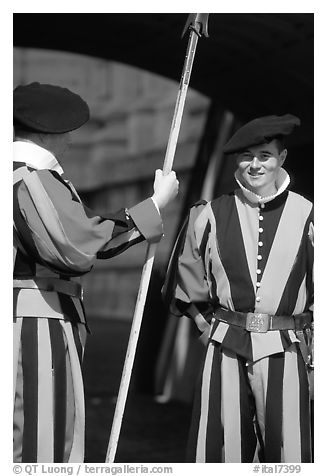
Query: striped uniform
(250, 255)
(56, 239)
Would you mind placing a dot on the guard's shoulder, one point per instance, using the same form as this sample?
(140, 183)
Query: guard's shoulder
(20, 171)
(51, 178)
(224, 199)
(301, 199)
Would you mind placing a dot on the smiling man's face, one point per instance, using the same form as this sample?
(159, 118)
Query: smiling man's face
(258, 167)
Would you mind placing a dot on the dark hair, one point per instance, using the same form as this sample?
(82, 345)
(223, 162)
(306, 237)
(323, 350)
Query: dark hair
(280, 142)
(22, 131)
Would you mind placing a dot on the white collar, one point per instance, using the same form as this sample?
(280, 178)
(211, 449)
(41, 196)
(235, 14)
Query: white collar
(283, 181)
(35, 156)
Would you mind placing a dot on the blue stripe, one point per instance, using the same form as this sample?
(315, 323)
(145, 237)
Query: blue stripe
(247, 410)
(232, 252)
(195, 421)
(304, 411)
(119, 249)
(29, 343)
(271, 213)
(274, 409)
(60, 397)
(215, 430)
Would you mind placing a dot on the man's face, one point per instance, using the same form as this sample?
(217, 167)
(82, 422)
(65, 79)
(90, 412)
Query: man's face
(259, 166)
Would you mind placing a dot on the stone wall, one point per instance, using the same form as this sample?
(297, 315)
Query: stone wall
(114, 156)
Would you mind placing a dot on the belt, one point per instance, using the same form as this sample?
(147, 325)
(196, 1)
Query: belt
(50, 284)
(261, 322)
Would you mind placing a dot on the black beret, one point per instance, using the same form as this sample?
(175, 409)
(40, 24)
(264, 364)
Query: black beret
(49, 109)
(261, 130)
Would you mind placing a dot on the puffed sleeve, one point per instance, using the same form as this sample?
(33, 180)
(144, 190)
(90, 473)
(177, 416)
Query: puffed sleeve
(60, 232)
(186, 289)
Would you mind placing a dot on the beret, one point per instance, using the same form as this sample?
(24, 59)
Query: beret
(261, 130)
(49, 109)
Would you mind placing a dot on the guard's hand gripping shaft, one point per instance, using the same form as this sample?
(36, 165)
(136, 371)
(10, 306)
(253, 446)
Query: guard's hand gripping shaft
(197, 24)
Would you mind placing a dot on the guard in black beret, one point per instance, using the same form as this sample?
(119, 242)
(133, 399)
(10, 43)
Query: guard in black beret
(261, 130)
(48, 109)
(56, 238)
(242, 270)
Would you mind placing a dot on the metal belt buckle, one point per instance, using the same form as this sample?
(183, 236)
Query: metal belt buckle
(257, 322)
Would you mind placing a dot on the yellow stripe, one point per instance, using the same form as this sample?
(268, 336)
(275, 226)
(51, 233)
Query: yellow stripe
(181, 346)
(220, 332)
(79, 309)
(70, 408)
(249, 219)
(265, 344)
(200, 223)
(16, 346)
(82, 335)
(36, 303)
(45, 435)
(77, 450)
(15, 248)
(301, 297)
(192, 284)
(18, 393)
(283, 252)
(205, 391)
(71, 398)
(20, 173)
(230, 408)
(258, 378)
(59, 247)
(291, 409)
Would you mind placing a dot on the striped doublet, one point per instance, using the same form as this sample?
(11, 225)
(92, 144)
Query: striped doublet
(252, 400)
(248, 258)
(57, 240)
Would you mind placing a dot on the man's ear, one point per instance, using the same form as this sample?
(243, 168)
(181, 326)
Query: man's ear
(282, 156)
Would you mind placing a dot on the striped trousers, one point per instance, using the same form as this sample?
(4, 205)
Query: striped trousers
(48, 390)
(246, 413)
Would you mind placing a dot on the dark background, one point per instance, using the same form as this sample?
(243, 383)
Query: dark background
(253, 64)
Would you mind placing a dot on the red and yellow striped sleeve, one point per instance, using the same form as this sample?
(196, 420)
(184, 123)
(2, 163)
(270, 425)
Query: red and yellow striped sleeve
(60, 232)
(186, 287)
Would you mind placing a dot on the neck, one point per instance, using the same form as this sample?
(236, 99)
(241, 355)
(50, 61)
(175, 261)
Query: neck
(23, 139)
(264, 191)
(281, 184)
